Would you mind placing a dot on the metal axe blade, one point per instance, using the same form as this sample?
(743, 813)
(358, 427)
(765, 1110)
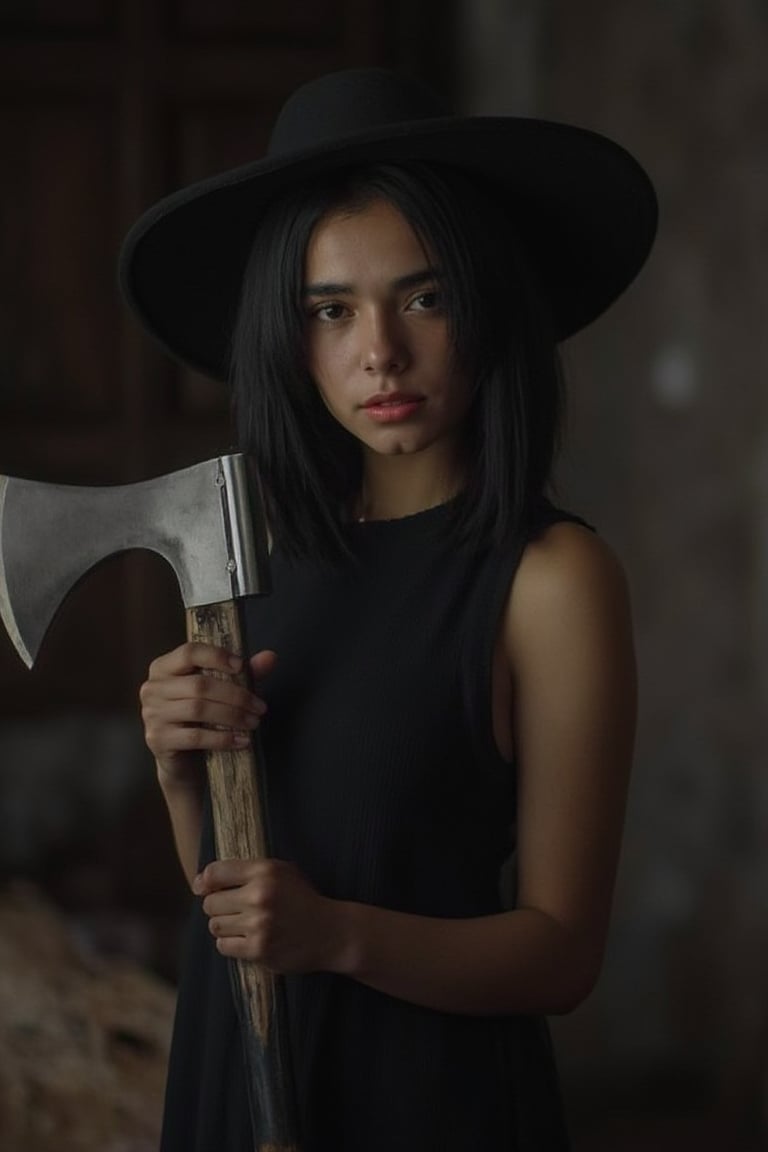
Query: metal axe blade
(201, 519)
(207, 521)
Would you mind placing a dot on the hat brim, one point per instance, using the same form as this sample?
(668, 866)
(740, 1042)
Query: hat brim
(588, 214)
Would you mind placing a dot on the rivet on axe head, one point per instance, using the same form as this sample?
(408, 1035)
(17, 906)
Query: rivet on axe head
(208, 523)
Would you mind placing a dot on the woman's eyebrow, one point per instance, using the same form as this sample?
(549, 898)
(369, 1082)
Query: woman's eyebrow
(414, 279)
(333, 288)
(327, 288)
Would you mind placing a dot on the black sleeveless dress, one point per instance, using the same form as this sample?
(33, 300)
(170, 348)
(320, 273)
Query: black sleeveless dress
(386, 787)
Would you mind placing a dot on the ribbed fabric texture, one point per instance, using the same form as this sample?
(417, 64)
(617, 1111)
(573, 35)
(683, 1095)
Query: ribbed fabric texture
(384, 786)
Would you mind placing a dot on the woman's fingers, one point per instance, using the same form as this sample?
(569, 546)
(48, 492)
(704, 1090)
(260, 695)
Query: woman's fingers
(200, 709)
(176, 722)
(184, 708)
(196, 739)
(267, 911)
(262, 663)
(193, 657)
(202, 691)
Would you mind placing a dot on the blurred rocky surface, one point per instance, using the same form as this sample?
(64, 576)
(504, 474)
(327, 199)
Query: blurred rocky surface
(84, 1038)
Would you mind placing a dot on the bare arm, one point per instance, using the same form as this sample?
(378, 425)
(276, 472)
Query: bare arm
(575, 689)
(185, 713)
(184, 802)
(567, 636)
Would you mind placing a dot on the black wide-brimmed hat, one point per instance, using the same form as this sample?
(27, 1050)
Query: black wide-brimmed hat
(587, 209)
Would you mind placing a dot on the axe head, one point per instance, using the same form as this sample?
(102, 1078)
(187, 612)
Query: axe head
(207, 521)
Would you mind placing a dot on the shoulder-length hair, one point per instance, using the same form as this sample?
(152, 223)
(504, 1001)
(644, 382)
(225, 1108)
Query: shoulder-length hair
(502, 333)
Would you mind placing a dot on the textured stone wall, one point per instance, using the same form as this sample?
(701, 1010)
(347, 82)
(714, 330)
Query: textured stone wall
(668, 456)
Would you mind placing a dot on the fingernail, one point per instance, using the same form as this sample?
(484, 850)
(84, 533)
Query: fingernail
(197, 883)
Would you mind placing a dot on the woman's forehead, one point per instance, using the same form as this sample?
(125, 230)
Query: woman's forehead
(360, 240)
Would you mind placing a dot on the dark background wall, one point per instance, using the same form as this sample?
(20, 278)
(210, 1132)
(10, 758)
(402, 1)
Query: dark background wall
(667, 455)
(104, 106)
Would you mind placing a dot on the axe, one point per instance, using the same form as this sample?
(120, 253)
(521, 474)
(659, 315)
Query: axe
(207, 521)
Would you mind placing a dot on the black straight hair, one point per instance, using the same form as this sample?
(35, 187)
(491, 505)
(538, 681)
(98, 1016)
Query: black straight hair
(500, 327)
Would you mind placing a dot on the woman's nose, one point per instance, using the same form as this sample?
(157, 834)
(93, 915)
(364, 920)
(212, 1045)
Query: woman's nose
(383, 348)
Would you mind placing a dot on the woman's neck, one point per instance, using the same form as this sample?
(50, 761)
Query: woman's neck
(397, 486)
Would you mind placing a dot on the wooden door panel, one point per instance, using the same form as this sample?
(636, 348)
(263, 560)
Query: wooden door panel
(290, 19)
(58, 313)
(31, 17)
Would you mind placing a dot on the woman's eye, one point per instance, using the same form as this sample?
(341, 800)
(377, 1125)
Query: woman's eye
(426, 301)
(329, 312)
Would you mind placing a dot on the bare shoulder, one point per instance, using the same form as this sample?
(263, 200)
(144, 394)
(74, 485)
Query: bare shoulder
(568, 644)
(569, 559)
(570, 584)
(567, 564)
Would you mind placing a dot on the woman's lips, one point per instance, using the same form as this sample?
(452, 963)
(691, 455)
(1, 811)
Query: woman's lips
(389, 409)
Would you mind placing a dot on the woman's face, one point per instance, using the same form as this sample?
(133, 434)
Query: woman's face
(377, 334)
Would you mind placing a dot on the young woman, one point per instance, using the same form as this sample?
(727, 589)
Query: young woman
(443, 676)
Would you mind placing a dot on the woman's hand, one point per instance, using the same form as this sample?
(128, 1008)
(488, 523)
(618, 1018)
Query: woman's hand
(267, 911)
(186, 711)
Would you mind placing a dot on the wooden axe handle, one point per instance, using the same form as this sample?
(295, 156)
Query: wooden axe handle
(236, 784)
